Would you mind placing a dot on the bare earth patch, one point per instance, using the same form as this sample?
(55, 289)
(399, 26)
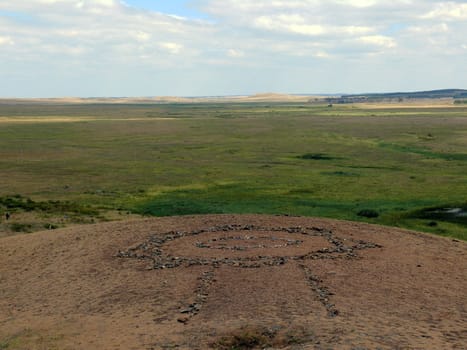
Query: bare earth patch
(232, 282)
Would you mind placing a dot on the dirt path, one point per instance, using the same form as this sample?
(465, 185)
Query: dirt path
(219, 281)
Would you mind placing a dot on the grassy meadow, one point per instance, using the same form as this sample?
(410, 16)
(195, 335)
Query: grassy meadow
(389, 165)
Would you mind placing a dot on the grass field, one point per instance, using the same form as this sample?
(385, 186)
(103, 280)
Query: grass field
(394, 166)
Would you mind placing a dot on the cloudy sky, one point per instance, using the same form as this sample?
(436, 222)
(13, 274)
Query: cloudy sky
(229, 47)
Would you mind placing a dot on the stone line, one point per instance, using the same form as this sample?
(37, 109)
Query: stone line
(202, 292)
(322, 292)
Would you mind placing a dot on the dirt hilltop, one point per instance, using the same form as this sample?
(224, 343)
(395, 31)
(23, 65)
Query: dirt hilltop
(232, 282)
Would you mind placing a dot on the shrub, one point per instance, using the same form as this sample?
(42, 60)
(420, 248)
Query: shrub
(368, 213)
(248, 338)
(19, 227)
(315, 156)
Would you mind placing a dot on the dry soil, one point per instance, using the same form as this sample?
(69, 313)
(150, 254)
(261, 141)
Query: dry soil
(201, 282)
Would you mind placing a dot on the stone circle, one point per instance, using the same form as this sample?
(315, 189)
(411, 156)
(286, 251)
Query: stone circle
(245, 246)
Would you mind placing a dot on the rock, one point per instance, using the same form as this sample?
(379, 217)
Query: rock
(183, 320)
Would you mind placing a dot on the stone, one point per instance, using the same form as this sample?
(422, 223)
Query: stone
(183, 320)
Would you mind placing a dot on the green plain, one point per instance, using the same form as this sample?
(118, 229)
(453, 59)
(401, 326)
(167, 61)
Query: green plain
(294, 159)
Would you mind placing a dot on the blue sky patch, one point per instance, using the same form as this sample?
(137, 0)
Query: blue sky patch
(181, 8)
(395, 28)
(18, 16)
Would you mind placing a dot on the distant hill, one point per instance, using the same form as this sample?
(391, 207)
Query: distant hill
(445, 93)
(456, 94)
(262, 97)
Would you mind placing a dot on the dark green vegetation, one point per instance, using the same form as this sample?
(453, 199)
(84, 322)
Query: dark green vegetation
(17, 202)
(315, 156)
(368, 213)
(74, 212)
(294, 159)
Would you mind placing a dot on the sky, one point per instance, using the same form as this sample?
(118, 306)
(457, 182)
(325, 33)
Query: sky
(107, 48)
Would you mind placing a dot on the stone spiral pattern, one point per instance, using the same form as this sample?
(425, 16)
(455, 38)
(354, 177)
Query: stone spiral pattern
(152, 250)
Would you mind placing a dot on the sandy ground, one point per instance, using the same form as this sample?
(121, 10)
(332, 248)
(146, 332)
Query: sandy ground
(194, 282)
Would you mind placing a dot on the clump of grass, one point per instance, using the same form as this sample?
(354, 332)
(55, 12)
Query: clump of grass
(21, 227)
(340, 173)
(301, 191)
(249, 338)
(315, 156)
(368, 213)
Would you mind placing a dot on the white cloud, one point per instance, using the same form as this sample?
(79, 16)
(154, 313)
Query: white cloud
(288, 23)
(142, 36)
(378, 40)
(172, 48)
(297, 24)
(429, 29)
(5, 40)
(321, 54)
(235, 53)
(358, 3)
(448, 11)
(353, 30)
(98, 36)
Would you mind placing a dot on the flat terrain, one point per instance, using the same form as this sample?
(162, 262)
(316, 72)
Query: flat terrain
(396, 164)
(232, 282)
